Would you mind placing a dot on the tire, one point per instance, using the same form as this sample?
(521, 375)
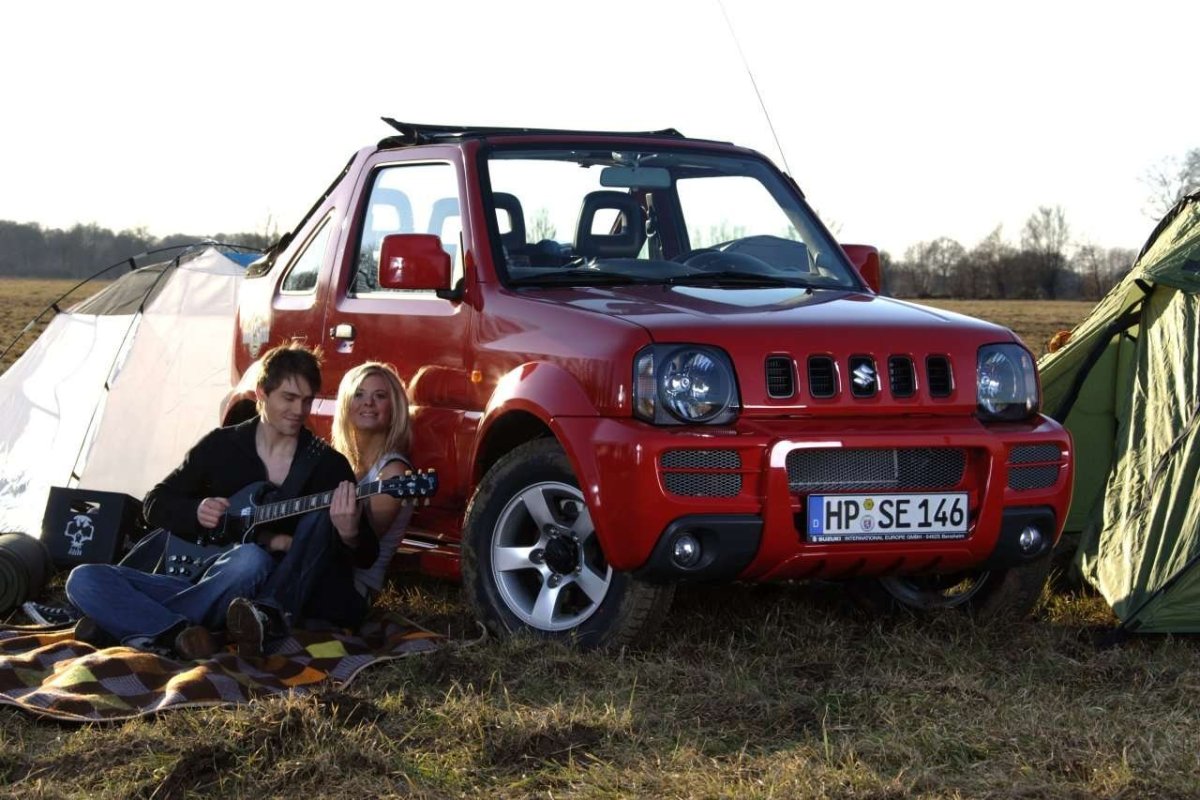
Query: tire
(531, 561)
(1010, 594)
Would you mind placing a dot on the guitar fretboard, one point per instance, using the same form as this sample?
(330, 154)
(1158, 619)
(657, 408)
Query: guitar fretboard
(312, 502)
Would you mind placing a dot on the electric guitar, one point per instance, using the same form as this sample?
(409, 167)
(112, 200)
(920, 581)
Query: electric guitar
(251, 507)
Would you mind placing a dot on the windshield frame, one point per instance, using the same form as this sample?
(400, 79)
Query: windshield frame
(780, 186)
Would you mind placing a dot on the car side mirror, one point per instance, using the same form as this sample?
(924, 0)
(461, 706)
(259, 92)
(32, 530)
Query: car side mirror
(413, 261)
(865, 259)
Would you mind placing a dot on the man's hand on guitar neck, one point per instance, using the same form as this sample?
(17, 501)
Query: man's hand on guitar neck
(345, 511)
(209, 512)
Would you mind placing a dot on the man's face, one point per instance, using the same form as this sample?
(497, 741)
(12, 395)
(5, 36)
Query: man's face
(286, 408)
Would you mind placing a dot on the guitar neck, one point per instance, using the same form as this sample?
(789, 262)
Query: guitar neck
(313, 502)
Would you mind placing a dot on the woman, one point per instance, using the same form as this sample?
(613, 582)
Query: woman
(371, 428)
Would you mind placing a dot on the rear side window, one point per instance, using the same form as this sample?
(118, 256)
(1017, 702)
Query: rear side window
(414, 198)
(302, 275)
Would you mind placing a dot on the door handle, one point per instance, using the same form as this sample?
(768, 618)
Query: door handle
(343, 330)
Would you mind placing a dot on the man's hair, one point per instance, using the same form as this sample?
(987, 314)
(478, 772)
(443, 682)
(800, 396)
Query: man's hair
(290, 361)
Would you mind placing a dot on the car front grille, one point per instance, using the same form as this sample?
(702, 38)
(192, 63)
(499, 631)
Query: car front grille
(701, 484)
(860, 376)
(1024, 471)
(1023, 479)
(837, 469)
(701, 472)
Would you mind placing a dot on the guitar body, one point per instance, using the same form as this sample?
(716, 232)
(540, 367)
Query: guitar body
(189, 559)
(252, 505)
(238, 522)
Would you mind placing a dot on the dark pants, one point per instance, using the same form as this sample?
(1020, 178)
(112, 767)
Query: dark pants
(315, 579)
(132, 605)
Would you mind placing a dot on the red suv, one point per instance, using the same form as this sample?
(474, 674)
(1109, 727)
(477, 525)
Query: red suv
(640, 359)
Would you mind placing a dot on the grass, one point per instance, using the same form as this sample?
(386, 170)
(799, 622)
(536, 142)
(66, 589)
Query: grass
(748, 691)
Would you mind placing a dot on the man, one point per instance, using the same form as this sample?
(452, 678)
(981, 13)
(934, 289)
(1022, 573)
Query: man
(283, 566)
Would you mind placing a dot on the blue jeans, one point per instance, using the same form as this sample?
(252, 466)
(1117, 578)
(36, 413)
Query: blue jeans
(129, 603)
(314, 580)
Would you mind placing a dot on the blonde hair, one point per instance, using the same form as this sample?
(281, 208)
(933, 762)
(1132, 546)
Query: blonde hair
(398, 437)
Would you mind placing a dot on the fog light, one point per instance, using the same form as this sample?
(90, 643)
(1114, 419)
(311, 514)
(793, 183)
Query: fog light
(685, 550)
(1030, 539)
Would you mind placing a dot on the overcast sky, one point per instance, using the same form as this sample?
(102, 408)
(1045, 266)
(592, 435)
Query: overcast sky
(902, 121)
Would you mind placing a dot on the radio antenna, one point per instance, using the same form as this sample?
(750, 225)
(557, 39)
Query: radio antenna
(754, 83)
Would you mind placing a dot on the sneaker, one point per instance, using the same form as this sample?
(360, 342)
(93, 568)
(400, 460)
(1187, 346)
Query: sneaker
(195, 643)
(55, 616)
(247, 625)
(88, 632)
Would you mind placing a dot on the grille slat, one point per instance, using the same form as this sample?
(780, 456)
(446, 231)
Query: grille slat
(703, 484)
(861, 470)
(939, 376)
(1029, 453)
(1040, 477)
(822, 377)
(901, 376)
(781, 381)
(701, 459)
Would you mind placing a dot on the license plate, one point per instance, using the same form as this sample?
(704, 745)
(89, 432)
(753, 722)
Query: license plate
(886, 517)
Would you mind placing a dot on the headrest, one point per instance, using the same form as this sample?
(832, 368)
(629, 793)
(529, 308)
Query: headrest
(625, 244)
(514, 240)
(390, 211)
(442, 210)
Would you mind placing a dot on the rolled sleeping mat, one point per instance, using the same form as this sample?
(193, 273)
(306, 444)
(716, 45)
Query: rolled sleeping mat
(25, 566)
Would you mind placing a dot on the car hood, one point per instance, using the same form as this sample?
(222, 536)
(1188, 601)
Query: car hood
(836, 318)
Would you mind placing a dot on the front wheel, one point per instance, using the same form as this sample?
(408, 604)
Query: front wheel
(531, 559)
(996, 594)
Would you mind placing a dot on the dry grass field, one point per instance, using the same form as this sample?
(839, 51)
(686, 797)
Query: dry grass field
(747, 692)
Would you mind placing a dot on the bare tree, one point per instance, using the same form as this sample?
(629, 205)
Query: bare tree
(1101, 268)
(938, 259)
(989, 257)
(1169, 181)
(1045, 238)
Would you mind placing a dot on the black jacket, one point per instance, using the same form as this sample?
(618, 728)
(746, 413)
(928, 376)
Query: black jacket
(226, 461)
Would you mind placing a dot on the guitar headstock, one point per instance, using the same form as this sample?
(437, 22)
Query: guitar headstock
(412, 485)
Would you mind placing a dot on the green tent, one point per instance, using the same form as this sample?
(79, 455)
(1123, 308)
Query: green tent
(1127, 386)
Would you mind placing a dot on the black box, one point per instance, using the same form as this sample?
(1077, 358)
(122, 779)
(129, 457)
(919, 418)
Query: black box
(82, 526)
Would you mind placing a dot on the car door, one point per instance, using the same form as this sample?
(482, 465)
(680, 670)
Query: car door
(426, 337)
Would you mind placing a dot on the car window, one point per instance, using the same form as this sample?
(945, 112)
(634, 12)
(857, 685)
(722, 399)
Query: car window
(410, 198)
(649, 215)
(302, 275)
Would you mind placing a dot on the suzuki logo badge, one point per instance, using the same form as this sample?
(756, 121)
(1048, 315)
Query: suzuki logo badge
(864, 376)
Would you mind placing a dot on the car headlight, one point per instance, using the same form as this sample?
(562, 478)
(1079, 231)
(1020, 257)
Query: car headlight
(684, 384)
(1007, 387)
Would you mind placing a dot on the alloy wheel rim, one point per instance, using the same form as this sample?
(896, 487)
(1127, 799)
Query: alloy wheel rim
(546, 559)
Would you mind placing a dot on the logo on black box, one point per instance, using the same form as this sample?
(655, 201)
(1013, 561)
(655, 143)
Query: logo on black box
(80, 529)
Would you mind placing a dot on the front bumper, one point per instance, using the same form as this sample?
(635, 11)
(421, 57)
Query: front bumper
(645, 484)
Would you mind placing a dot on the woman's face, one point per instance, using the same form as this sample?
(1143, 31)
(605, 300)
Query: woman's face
(371, 406)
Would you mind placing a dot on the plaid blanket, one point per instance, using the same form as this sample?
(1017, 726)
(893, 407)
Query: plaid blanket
(47, 672)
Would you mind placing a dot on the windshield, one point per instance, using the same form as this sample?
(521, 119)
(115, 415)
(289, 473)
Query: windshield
(599, 216)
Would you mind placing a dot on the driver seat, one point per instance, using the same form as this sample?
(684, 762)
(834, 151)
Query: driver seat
(627, 235)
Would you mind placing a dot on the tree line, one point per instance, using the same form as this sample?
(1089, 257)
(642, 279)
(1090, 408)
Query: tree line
(31, 251)
(1046, 263)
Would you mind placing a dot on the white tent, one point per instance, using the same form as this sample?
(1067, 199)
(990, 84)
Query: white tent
(116, 390)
